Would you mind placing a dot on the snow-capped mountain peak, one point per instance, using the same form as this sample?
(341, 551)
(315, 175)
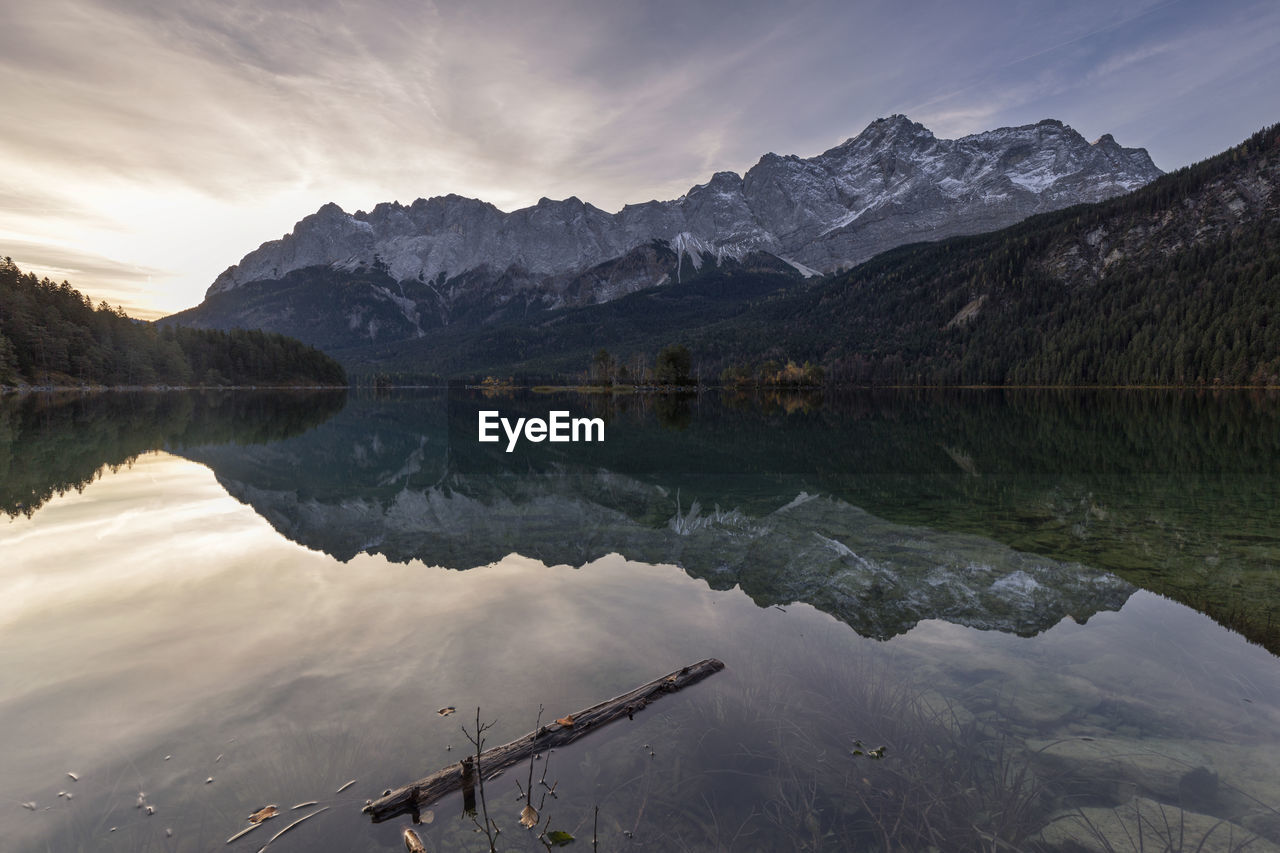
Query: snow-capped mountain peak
(893, 183)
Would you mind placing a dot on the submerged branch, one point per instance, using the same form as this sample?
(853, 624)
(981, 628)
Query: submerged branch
(566, 730)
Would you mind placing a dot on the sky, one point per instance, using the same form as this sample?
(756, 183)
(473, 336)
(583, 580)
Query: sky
(146, 145)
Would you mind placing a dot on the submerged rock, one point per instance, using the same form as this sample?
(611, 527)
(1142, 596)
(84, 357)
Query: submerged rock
(1234, 783)
(1143, 824)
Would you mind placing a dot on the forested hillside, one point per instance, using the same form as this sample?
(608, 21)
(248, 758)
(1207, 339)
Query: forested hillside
(51, 334)
(632, 329)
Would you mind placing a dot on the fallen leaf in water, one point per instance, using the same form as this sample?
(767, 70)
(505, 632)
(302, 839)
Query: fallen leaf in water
(444, 712)
(74, 777)
(264, 813)
(559, 838)
(565, 721)
(529, 817)
(412, 842)
(427, 817)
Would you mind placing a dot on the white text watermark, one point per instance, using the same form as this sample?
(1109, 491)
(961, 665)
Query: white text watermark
(558, 426)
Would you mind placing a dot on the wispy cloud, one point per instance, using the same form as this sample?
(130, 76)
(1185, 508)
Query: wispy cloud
(177, 135)
(119, 283)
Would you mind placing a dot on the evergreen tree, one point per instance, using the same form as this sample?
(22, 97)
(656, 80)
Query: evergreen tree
(50, 334)
(675, 365)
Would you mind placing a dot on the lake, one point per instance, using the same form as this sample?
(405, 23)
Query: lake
(961, 620)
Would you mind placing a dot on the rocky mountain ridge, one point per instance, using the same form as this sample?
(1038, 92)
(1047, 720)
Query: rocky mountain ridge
(893, 183)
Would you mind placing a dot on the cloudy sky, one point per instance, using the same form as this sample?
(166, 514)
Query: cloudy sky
(149, 144)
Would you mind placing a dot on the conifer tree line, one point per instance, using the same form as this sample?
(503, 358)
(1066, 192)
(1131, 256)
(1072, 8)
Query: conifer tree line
(51, 334)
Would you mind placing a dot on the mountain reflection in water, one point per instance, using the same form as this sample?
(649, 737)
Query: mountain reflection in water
(1005, 510)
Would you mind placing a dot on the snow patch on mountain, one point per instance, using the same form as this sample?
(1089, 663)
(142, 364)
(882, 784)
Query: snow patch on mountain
(807, 272)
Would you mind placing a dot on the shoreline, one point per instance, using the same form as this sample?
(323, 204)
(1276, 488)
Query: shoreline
(543, 388)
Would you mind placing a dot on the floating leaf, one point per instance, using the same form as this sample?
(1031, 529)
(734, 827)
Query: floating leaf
(566, 721)
(529, 817)
(559, 838)
(444, 712)
(264, 813)
(412, 842)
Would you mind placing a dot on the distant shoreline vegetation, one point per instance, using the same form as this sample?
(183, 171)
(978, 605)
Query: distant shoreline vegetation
(673, 374)
(52, 337)
(159, 388)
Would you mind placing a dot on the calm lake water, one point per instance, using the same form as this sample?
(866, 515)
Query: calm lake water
(1057, 613)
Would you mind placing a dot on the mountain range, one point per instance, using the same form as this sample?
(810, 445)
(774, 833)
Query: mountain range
(342, 280)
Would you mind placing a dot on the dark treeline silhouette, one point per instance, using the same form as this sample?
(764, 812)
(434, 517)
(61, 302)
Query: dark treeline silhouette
(51, 334)
(52, 444)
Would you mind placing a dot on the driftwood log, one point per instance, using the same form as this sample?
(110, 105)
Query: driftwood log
(418, 795)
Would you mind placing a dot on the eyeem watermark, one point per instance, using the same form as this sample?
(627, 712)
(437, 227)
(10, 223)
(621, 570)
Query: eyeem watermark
(557, 426)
